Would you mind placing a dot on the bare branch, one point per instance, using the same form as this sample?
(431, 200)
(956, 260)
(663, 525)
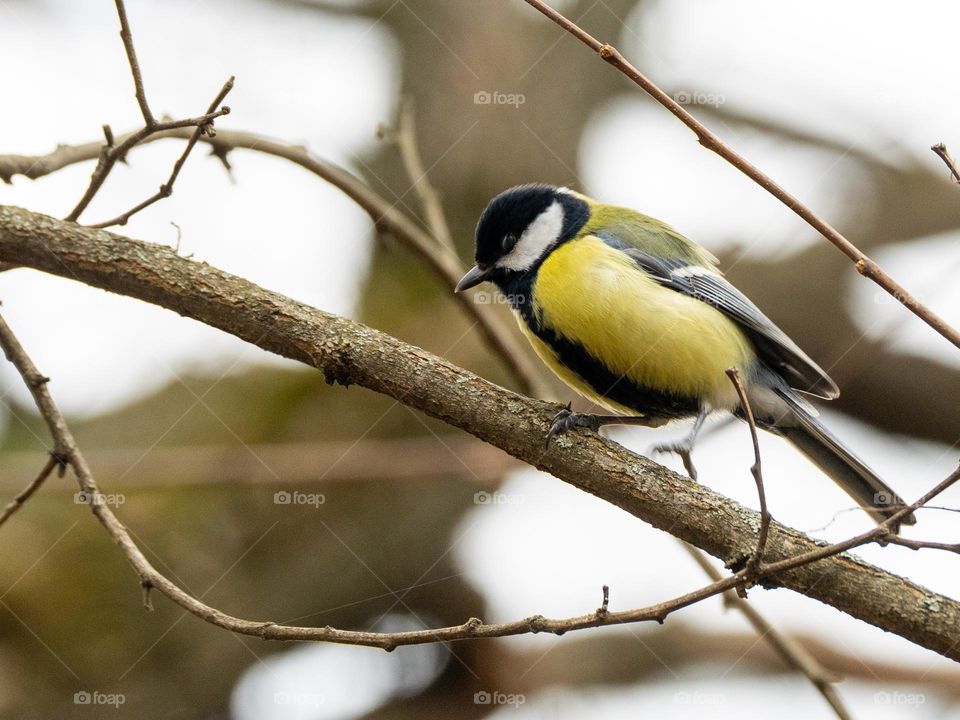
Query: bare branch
(385, 216)
(923, 544)
(350, 353)
(864, 265)
(21, 497)
(166, 190)
(941, 150)
(880, 534)
(754, 563)
(110, 153)
(404, 137)
(127, 37)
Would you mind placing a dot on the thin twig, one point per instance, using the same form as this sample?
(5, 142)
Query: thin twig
(110, 152)
(923, 544)
(127, 37)
(941, 150)
(790, 651)
(384, 215)
(167, 188)
(883, 533)
(404, 137)
(755, 470)
(864, 265)
(21, 497)
(109, 155)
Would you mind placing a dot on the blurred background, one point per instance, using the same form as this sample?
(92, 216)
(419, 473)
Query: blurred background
(272, 496)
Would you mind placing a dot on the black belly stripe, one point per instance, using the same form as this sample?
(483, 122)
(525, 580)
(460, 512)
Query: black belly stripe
(608, 384)
(518, 287)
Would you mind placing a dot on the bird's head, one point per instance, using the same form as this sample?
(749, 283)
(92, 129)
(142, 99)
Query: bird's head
(518, 230)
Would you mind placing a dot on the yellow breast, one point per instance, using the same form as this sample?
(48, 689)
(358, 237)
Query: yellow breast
(595, 295)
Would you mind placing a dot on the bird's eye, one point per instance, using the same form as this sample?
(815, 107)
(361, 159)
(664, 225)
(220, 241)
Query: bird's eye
(509, 240)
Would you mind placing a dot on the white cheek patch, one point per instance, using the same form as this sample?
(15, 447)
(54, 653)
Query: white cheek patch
(539, 236)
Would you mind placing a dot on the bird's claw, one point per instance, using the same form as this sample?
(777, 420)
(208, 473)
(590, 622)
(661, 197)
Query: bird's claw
(684, 449)
(566, 420)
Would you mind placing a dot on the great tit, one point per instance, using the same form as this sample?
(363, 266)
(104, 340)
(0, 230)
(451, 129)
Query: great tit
(637, 318)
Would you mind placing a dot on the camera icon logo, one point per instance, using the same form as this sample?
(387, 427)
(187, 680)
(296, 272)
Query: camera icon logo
(482, 97)
(884, 498)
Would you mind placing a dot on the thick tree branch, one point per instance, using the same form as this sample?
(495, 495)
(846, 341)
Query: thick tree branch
(350, 353)
(706, 137)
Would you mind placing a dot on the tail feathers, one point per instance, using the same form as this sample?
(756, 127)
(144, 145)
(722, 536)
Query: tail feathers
(811, 438)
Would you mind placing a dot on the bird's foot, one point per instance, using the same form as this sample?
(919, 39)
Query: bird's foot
(683, 448)
(566, 420)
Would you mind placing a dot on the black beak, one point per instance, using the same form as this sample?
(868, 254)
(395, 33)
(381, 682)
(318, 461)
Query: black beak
(474, 277)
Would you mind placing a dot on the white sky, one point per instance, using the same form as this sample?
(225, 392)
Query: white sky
(878, 74)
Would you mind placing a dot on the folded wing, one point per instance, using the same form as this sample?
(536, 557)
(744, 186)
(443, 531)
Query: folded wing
(704, 283)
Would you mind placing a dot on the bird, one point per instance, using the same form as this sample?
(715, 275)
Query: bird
(638, 319)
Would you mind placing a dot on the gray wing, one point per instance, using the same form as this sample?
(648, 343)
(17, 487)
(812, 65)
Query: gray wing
(773, 346)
